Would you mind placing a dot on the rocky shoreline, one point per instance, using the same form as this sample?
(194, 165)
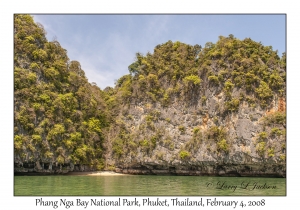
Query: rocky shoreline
(228, 170)
(72, 173)
(225, 170)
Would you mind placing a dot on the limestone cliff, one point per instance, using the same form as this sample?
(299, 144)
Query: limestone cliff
(59, 118)
(218, 112)
(199, 140)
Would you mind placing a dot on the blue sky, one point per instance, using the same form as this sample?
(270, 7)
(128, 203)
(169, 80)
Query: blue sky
(105, 45)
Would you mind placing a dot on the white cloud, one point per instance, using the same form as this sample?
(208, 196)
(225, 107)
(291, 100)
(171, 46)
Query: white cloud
(106, 63)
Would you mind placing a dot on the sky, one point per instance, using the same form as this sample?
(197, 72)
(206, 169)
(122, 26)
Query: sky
(105, 45)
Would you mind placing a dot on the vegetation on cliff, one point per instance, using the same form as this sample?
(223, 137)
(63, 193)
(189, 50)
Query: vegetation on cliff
(180, 70)
(59, 117)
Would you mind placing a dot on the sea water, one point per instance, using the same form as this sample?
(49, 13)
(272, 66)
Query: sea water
(147, 185)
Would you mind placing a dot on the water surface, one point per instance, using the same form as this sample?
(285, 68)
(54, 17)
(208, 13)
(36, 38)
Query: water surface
(147, 185)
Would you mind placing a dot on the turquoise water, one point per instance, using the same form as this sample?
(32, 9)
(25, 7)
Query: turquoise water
(139, 185)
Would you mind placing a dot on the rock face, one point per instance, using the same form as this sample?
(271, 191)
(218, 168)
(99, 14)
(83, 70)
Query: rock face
(244, 128)
(208, 169)
(191, 111)
(180, 141)
(41, 168)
